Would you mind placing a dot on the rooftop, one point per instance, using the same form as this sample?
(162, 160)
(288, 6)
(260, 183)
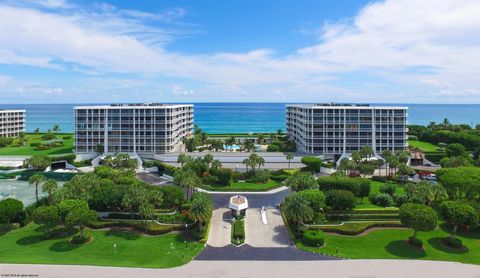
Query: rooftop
(345, 106)
(134, 105)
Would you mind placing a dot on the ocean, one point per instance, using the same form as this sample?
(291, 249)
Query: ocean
(245, 117)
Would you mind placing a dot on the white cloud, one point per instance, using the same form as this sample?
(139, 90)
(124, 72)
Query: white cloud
(420, 46)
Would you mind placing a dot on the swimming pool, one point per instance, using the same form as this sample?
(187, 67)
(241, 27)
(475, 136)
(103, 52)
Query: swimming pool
(231, 148)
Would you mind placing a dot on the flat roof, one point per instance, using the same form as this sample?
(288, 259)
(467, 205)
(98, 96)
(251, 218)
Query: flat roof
(12, 110)
(345, 106)
(133, 106)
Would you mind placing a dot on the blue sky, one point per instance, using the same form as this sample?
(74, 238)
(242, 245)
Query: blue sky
(61, 51)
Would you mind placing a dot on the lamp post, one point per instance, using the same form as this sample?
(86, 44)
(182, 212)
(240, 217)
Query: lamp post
(185, 244)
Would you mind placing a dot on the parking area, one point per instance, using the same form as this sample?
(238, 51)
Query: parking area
(220, 228)
(272, 234)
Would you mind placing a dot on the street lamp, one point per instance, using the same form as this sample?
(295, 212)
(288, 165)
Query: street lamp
(185, 244)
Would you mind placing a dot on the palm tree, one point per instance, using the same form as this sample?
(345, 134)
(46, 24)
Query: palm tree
(386, 154)
(50, 186)
(203, 137)
(248, 145)
(182, 158)
(216, 164)
(208, 158)
(247, 163)
(99, 149)
(289, 157)
(22, 138)
(201, 208)
(261, 139)
(446, 123)
(260, 162)
(230, 141)
(187, 179)
(36, 131)
(279, 132)
(344, 165)
(56, 128)
(297, 209)
(36, 180)
(146, 211)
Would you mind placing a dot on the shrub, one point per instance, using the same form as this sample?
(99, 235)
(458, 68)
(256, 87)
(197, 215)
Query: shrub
(319, 218)
(260, 176)
(381, 199)
(314, 238)
(357, 186)
(315, 198)
(274, 148)
(379, 178)
(34, 144)
(340, 199)
(357, 228)
(313, 163)
(399, 199)
(67, 137)
(388, 188)
(453, 242)
(48, 136)
(224, 176)
(10, 209)
(172, 196)
(5, 141)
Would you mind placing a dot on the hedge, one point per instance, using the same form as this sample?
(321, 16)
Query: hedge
(435, 157)
(347, 217)
(313, 163)
(238, 232)
(352, 229)
(24, 176)
(364, 211)
(351, 184)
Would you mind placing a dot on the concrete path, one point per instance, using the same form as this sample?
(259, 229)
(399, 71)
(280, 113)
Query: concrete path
(273, 191)
(242, 269)
(272, 234)
(220, 228)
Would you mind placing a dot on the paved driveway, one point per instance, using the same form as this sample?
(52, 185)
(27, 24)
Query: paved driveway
(220, 228)
(272, 234)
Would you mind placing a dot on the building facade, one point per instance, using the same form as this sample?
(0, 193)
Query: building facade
(144, 129)
(12, 122)
(340, 129)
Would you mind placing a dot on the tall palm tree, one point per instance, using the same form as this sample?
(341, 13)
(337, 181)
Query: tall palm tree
(201, 208)
(56, 128)
(50, 186)
(297, 209)
(230, 141)
(261, 139)
(248, 145)
(208, 159)
(182, 158)
(36, 131)
(187, 179)
(216, 164)
(22, 138)
(36, 180)
(386, 154)
(289, 157)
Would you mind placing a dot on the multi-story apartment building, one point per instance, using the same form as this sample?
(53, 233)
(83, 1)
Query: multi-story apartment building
(340, 129)
(12, 122)
(144, 129)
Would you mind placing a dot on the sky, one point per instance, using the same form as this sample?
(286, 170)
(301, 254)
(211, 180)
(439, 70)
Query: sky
(393, 51)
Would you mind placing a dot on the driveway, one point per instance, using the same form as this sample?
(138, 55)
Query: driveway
(273, 233)
(220, 228)
(255, 200)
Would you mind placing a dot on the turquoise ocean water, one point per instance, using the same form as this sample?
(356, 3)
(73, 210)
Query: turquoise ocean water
(245, 117)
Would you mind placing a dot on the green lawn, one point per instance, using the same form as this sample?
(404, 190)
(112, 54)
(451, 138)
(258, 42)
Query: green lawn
(36, 138)
(390, 244)
(244, 186)
(425, 146)
(26, 245)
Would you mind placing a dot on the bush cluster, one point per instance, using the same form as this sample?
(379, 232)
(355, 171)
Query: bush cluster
(312, 163)
(314, 238)
(358, 186)
(381, 199)
(340, 199)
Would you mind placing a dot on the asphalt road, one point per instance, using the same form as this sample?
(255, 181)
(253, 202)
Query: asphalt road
(255, 200)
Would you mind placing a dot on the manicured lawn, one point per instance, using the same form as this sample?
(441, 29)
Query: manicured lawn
(36, 138)
(390, 244)
(244, 186)
(26, 245)
(425, 146)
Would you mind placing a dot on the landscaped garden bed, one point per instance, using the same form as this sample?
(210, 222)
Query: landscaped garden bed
(61, 143)
(238, 231)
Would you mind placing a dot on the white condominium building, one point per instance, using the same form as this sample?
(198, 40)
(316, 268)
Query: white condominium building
(12, 122)
(145, 129)
(340, 129)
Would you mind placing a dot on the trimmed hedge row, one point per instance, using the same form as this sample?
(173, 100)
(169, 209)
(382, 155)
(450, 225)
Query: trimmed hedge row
(352, 229)
(364, 211)
(377, 217)
(314, 238)
(24, 176)
(359, 187)
(238, 232)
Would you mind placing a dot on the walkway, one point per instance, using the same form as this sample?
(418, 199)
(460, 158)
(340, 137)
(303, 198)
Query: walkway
(277, 269)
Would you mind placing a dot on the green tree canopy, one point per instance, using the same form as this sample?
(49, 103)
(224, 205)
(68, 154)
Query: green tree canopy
(418, 217)
(47, 216)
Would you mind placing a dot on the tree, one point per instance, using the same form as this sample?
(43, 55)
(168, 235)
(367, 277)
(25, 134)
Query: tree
(230, 141)
(10, 209)
(297, 209)
(316, 199)
(22, 138)
(419, 218)
(50, 186)
(55, 128)
(301, 181)
(186, 179)
(39, 162)
(366, 169)
(248, 146)
(456, 161)
(208, 159)
(457, 213)
(36, 180)
(99, 149)
(289, 156)
(46, 216)
(201, 208)
(460, 182)
(36, 131)
(253, 161)
(340, 199)
(366, 152)
(66, 206)
(386, 154)
(182, 159)
(146, 211)
(80, 217)
(216, 164)
(404, 170)
(261, 139)
(455, 149)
